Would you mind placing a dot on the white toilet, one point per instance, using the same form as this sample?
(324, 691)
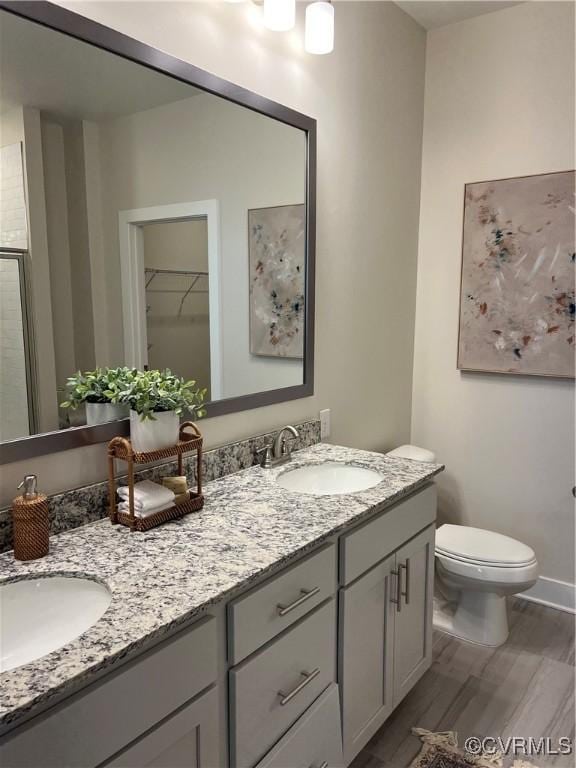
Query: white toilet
(475, 571)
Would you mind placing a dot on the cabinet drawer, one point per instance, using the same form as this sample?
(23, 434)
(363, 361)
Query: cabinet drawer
(265, 611)
(373, 541)
(188, 739)
(101, 720)
(314, 740)
(270, 691)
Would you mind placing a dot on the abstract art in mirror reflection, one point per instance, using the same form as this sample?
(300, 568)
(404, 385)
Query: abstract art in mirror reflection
(277, 239)
(518, 258)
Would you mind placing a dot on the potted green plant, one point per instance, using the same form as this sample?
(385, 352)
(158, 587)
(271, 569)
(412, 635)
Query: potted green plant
(157, 399)
(100, 390)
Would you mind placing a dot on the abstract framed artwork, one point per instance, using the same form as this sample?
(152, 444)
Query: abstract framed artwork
(277, 238)
(517, 287)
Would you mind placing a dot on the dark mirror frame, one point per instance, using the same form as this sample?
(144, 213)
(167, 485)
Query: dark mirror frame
(93, 33)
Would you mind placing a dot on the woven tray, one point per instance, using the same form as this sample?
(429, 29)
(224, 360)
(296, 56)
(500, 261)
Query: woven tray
(121, 448)
(194, 504)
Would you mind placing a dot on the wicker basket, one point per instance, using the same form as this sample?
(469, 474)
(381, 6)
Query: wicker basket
(121, 448)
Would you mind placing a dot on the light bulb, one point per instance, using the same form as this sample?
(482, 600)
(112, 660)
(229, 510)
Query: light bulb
(319, 32)
(280, 15)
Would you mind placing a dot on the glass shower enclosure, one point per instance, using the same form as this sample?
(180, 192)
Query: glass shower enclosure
(17, 411)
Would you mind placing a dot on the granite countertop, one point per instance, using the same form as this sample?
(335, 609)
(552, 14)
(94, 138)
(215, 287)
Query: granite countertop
(161, 579)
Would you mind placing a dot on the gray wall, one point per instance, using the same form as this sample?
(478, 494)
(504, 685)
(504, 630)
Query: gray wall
(507, 441)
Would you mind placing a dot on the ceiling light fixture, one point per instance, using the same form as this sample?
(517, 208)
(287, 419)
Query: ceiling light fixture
(279, 15)
(319, 31)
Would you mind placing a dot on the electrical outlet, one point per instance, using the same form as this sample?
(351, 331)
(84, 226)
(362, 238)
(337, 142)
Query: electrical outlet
(325, 424)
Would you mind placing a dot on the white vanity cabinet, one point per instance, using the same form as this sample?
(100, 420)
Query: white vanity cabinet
(299, 670)
(385, 641)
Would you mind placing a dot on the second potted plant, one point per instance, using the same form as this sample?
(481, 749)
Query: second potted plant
(100, 391)
(156, 400)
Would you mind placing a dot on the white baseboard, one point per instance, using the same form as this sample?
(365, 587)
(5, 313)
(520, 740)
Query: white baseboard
(553, 593)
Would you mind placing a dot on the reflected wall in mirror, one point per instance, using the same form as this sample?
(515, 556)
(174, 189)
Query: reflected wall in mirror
(125, 200)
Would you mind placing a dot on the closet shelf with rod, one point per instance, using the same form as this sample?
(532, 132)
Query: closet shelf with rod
(151, 273)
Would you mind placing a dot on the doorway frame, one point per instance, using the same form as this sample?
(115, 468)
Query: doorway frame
(130, 224)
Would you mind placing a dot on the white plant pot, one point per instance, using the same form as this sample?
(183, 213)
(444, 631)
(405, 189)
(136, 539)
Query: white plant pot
(152, 435)
(100, 413)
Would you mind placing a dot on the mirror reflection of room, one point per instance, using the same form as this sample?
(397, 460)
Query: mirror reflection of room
(146, 224)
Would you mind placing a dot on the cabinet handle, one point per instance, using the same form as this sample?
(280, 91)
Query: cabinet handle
(322, 765)
(305, 594)
(406, 567)
(308, 677)
(398, 599)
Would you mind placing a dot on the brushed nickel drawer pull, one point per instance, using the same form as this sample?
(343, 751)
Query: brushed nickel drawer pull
(398, 599)
(322, 765)
(305, 594)
(308, 677)
(406, 567)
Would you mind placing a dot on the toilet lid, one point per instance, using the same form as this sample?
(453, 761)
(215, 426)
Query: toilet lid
(413, 452)
(475, 544)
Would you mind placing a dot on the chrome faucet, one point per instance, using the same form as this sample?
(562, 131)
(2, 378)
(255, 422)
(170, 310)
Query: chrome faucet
(278, 451)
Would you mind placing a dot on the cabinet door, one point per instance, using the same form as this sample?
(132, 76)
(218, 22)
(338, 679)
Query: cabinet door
(366, 640)
(188, 739)
(413, 612)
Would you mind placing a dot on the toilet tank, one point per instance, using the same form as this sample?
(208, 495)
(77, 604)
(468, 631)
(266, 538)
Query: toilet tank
(413, 452)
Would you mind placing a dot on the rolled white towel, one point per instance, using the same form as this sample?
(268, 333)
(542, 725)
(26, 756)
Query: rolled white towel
(124, 506)
(148, 495)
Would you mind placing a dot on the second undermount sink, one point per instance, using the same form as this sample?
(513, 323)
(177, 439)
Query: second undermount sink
(38, 616)
(329, 479)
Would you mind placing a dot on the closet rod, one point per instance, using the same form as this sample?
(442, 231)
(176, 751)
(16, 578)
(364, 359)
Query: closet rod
(193, 272)
(152, 272)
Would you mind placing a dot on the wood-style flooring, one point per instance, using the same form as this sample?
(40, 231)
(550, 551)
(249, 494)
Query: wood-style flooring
(524, 688)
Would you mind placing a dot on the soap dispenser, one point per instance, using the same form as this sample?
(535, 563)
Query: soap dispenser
(31, 521)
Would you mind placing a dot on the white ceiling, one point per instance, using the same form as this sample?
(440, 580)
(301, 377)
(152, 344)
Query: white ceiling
(431, 13)
(55, 73)
(60, 75)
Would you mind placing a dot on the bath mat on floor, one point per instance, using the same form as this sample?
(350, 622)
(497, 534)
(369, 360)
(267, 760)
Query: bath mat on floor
(440, 750)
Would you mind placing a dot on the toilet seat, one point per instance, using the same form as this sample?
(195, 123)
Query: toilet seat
(487, 563)
(485, 572)
(479, 547)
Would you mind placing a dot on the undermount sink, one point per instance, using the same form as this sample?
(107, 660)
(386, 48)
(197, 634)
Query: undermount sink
(40, 615)
(329, 479)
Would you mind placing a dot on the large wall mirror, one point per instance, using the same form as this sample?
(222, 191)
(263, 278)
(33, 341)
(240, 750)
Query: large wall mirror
(151, 215)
